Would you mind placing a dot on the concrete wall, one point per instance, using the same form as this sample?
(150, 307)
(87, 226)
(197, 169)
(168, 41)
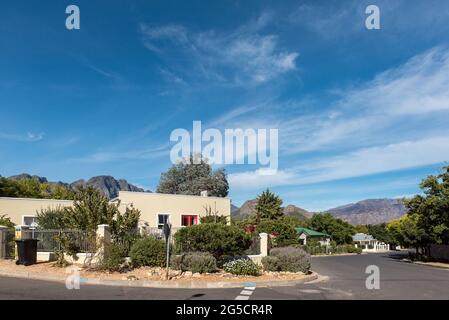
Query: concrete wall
(17, 208)
(152, 204)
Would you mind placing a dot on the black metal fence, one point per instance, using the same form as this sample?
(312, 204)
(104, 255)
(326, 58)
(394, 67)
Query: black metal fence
(53, 240)
(10, 244)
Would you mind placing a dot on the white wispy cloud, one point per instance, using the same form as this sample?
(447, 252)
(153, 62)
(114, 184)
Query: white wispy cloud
(366, 161)
(250, 180)
(368, 114)
(245, 56)
(171, 76)
(28, 137)
(394, 122)
(110, 156)
(363, 162)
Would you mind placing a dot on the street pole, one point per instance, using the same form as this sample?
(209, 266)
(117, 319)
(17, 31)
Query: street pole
(168, 258)
(167, 232)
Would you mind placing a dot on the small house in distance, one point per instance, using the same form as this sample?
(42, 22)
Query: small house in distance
(368, 244)
(306, 234)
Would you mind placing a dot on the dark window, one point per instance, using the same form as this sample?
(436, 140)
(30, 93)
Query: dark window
(161, 220)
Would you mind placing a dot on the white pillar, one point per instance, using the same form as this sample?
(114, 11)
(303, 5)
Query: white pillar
(264, 247)
(103, 233)
(103, 238)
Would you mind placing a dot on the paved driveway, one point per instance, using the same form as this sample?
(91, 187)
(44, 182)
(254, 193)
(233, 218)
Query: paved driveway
(344, 278)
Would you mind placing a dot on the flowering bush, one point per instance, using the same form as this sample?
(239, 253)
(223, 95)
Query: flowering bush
(242, 267)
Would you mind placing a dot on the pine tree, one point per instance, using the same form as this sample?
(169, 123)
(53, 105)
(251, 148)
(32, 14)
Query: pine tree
(269, 206)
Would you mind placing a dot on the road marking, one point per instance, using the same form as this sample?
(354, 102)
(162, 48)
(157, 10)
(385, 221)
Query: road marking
(247, 291)
(309, 291)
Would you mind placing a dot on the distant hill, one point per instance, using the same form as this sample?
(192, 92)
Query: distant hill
(297, 212)
(371, 211)
(249, 207)
(108, 185)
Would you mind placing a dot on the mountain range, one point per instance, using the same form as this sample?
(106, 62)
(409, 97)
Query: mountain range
(108, 185)
(370, 211)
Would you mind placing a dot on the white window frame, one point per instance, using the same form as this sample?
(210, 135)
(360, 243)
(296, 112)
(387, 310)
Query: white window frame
(189, 214)
(162, 213)
(28, 216)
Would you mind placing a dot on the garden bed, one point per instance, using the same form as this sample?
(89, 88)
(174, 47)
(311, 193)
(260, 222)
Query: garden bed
(144, 274)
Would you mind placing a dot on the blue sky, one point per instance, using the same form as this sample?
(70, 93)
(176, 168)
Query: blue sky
(361, 113)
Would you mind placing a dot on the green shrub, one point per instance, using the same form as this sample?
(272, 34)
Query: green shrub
(271, 263)
(242, 267)
(352, 249)
(201, 262)
(6, 221)
(333, 249)
(114, 257)
(148, 252)
(287, 259)
(284, 231)
(215, 238)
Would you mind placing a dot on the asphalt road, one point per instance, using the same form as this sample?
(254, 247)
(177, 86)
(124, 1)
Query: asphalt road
(343, 277)
(346, 279)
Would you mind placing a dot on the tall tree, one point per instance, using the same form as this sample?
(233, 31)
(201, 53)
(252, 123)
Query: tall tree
(432, 208)
(406, 232)
(269, 206)
(187, 177)
(380, 232)
(340, 231)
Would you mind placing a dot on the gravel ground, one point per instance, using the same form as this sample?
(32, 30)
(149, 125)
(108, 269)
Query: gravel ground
(146, 273)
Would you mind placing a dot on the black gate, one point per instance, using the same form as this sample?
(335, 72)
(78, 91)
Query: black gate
(10, 244)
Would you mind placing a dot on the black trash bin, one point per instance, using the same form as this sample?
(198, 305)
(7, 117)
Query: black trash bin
(27, 251)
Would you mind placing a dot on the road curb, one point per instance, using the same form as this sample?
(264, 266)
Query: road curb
(430, 264)
(162, 284)
(338, 255)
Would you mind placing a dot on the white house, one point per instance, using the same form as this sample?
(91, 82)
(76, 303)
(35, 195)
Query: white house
(369, 244)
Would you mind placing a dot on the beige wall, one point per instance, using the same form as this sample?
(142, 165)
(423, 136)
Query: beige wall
(17, 208)
(152, 204)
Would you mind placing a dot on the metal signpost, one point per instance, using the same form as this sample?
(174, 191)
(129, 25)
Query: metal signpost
(167, 233)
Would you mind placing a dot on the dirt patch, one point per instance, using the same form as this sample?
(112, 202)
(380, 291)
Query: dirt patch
(146, 273)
